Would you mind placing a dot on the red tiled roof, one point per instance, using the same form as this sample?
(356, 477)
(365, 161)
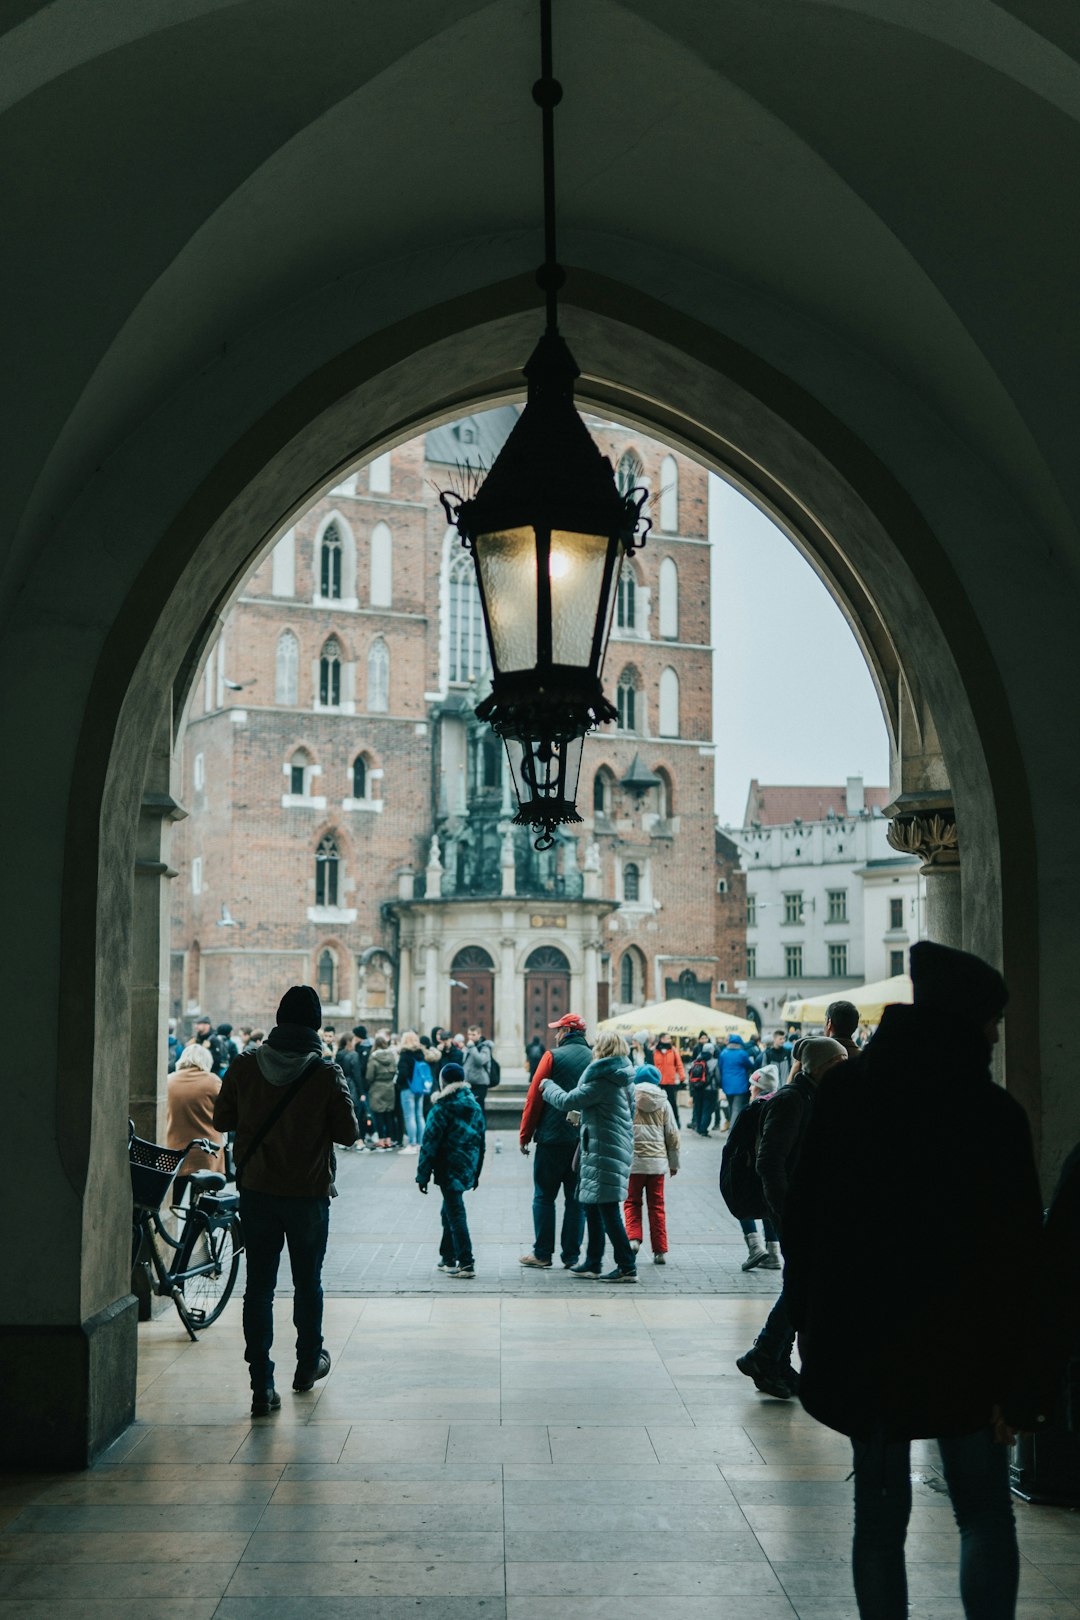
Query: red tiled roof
(777, 806)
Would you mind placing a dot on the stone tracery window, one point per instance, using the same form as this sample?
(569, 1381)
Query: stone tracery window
(626, 701)
(287, 669)
(327, 977)
(327, 864)
(330, 564)
(468, 647)
(631, 882)
(330, 673)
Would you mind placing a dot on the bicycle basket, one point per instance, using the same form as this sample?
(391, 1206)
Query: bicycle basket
(152, 1171)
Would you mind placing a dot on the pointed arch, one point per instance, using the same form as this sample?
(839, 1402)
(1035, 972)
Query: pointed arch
(334, 562)
(327, 870)
(330, 661)
(669, 703)
(631, 977)
(287, 669)
(467, 643)
(669, 599)
(669, 495)
(378, 676)
(604, 791)
(382, 566)
(627, 700)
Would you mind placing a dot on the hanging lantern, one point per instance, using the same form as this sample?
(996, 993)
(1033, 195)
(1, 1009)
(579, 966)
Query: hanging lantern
(548, 530)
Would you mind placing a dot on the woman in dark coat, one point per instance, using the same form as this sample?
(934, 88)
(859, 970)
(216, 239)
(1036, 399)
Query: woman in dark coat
(934, 1340)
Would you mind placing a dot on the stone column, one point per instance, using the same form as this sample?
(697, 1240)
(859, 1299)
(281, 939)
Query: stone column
(405, 1010)
(925, 825)
(509, 1041)
(432, 1004)
(591, 977)
(507, 862)
(434, 872)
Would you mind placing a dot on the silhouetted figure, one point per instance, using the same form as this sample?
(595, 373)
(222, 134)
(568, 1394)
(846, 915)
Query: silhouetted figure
(933, 1338)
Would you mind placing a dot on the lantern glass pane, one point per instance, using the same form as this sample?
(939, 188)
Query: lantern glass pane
(507, 564)
(577, 581)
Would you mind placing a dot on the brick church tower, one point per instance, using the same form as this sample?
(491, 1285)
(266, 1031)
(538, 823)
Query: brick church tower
(350, 822)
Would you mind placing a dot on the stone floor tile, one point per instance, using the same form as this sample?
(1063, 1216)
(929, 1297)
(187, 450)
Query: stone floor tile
(611, 1470)
(342, 1547)
(134, 1547)
(369, 1578)
(186, 1443)
(711, 1606)
(715, 1442)
(373, 1520)
(531, 1536)
(640, 1577)
(52, 1582)
(381, 1607)
(401, 1469)
(235, 1489)
(392, 1442)
(83, 1608)
(482, 1494)
(642, 1490)
(783, 1547)
(1061, 1549)
(313, 1443)
(120, 1519)
(595, 1443)
(498, 1442)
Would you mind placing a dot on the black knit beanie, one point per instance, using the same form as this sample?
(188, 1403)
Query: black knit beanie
(451, 1074)
(300, 1005)
(957, 983)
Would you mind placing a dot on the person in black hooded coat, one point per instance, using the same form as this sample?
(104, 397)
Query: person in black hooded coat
(935, 1339)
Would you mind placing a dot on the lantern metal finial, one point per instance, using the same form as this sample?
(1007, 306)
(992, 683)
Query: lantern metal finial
(548, 529)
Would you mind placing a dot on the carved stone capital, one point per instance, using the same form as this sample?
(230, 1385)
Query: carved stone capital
(932, 837)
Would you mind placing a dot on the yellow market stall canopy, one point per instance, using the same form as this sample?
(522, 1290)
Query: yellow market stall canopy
(680, 1019)
(871, 1000)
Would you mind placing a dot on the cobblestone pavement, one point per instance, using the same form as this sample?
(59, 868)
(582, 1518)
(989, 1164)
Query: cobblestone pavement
(384, 1235)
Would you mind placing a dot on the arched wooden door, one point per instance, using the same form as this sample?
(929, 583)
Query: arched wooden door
(547, 991)
(472, 991)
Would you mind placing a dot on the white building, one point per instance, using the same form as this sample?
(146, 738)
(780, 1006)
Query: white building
(829, 904)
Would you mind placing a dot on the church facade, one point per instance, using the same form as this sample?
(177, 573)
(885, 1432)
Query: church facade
(350, 822)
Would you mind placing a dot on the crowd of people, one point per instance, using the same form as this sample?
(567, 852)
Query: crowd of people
(959, 1332)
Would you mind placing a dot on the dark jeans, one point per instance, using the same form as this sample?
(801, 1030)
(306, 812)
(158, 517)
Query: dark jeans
(672, 1095)
(456, 1243)
(384, 1124)
(480, 1093)
(701, 1108)
(777, 1338)
(771, 1234)
(270, 1221)
(602, 1218)
(553, 1169)
(736, 1105)
(977, 1473)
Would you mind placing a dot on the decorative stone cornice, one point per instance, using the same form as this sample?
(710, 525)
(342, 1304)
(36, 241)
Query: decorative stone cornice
(932, 837)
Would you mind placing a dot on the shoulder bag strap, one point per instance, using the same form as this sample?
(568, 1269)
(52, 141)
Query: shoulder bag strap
(275, 1114)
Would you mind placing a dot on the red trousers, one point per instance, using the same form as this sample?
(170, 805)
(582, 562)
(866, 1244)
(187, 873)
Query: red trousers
(653, 1188)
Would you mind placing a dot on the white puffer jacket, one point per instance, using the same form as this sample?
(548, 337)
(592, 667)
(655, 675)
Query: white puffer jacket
(656, 1136)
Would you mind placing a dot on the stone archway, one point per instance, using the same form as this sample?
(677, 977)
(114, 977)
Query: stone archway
(940, 686)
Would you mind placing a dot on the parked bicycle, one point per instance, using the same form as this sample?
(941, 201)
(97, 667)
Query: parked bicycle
(197, 1269)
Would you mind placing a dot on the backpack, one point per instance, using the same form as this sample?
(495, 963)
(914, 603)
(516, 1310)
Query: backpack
(495, 1071)
(698, 1071)
(740, 1184)
(421, 1080)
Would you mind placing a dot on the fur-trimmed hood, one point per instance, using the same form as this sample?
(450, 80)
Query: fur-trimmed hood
(448, 1091)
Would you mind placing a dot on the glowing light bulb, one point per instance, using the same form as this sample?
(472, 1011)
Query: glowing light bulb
(558, 565)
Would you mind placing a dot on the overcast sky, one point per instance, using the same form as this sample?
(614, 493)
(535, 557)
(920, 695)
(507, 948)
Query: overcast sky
(793, 698)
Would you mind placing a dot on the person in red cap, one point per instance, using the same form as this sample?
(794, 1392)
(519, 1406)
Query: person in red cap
(556, 1144)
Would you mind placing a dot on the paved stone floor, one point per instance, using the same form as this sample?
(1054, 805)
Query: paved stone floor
(577, 1451)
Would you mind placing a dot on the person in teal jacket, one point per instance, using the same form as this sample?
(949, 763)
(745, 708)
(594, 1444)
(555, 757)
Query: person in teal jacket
(452, 1153)
(604, 1098)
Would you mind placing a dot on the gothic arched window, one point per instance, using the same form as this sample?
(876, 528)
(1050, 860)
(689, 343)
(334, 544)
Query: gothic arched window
(468, 649)
(330, 674)
(669, 703)
(382, 566)
(326, 978)
(626, 701)
(327, 862)
(630, 471)
(359, 777)
(378, 675)
(300, 774)
(287, 669)
(631, 883)
(626, 607)
(669, 599)
(330, 564)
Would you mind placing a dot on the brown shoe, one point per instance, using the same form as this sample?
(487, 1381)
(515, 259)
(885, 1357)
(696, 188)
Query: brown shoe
(531, 1259)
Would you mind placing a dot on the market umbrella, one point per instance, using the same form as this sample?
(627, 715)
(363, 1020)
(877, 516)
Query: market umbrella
(681, 1019)
(871, 1000)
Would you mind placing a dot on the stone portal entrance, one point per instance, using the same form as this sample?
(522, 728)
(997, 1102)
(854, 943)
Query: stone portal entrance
(547, 991)
(472, 991)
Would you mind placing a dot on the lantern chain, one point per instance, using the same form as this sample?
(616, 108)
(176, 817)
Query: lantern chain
(547, 93)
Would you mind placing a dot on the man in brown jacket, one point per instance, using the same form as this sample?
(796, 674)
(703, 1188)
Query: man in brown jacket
(288, 1105)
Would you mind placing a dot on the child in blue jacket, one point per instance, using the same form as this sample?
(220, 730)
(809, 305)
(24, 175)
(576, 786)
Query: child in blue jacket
(452, 1153)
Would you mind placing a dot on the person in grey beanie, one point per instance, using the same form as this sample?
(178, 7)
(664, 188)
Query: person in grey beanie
(288, 1106)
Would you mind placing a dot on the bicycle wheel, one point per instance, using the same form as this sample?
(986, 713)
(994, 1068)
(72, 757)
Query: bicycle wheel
(218, 1248)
